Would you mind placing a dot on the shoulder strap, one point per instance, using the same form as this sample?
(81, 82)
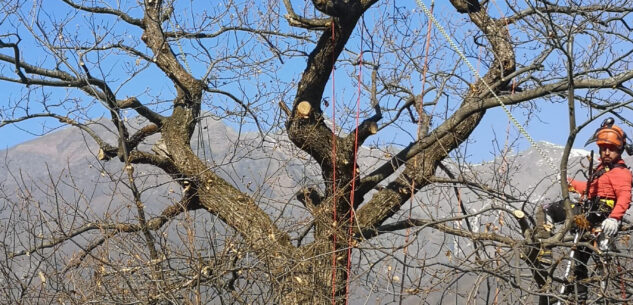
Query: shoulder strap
(619, 165)
(605, 169)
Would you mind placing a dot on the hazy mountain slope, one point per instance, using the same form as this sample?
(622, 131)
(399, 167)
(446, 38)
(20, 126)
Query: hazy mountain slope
(273, 170)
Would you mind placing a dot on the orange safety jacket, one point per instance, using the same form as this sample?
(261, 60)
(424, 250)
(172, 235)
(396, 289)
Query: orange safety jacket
(614, 184)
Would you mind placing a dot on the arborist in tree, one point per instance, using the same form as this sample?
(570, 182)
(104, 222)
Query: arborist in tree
(606, 200)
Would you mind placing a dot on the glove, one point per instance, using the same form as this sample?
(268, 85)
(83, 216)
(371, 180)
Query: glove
(610, 226)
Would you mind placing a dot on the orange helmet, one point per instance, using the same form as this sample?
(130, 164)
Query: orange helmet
(612, 135)
(609, 134)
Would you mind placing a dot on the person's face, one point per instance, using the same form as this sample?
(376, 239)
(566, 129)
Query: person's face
(609, 153)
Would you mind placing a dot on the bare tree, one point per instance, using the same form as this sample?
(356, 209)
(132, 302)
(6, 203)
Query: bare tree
(160, 70)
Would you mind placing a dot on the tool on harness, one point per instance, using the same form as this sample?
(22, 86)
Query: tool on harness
(608, 203)
(597, 209)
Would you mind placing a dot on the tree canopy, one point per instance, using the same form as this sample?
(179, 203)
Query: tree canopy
(364, 107)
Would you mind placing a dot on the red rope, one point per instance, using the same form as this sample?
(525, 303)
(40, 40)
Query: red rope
(622, 286)
(420, 111)
(353, 191)
(333, 171)
(506, 147)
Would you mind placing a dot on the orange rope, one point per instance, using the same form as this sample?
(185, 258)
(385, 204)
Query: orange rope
(333, 171)
(353, 190)
(622, 286)
(420, 111)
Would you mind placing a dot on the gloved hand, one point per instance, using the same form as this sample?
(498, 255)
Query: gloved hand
(610, 226)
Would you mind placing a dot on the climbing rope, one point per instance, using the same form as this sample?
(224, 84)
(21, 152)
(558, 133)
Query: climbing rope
(472, 68)
(334, 207)
(354, 166)
(420, 111)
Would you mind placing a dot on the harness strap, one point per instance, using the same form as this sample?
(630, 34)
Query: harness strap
(605, 169)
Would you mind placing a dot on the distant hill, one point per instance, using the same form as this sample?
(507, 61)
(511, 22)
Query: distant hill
(273, 170)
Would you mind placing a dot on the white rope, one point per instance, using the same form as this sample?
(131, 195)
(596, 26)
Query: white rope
(472, 68)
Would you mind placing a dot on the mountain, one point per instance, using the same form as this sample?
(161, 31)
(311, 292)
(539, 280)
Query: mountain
(271, 169)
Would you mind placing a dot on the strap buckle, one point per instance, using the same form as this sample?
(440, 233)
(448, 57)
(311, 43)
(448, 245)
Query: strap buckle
(608, 202)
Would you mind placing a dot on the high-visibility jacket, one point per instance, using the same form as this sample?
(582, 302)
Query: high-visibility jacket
(614, 184)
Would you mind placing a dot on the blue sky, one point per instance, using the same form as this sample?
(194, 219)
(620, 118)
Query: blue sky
(551, 124)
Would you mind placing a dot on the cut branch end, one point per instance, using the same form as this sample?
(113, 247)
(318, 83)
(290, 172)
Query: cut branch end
(303, 109)
(518, 214)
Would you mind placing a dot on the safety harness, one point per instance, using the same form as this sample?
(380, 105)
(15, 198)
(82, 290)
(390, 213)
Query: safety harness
(597, 209)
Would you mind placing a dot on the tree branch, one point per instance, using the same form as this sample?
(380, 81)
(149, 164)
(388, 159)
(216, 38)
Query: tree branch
(108, 11)
(112, 229)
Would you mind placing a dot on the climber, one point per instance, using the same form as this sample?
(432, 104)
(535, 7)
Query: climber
(607, 199)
